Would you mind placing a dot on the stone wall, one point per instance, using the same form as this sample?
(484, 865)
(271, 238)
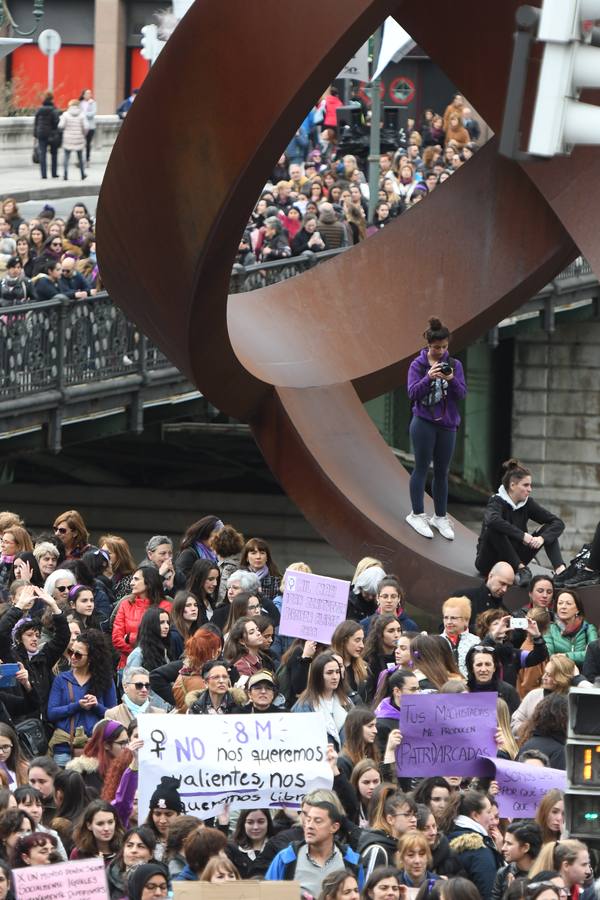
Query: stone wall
(556, 422)
(16, 139)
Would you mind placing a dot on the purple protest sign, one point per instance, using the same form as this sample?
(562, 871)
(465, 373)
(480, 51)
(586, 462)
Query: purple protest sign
(446, 734)
(313, 606)
(522, 787)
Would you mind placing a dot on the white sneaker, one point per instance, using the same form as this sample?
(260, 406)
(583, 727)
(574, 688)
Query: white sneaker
(419, 522)
(443, 525)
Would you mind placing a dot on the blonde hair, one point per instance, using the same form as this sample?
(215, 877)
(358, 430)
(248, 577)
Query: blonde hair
(461, 603)
(413, 840)
(295, 567)
(21, 536)
(554, 853)
(503, 714)
(563, 671)
(365, 563)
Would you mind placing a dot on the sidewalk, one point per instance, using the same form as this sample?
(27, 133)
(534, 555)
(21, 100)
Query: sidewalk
(23, 182)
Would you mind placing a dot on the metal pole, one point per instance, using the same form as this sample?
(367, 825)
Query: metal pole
(374, 145)
(51, 71)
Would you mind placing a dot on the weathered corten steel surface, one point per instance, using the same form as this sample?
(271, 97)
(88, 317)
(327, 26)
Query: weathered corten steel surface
(296, 360)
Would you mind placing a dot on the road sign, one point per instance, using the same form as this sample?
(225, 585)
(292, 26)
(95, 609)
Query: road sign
(49, 42)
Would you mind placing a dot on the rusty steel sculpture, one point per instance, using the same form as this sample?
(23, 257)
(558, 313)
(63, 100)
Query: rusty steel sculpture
(297, 360)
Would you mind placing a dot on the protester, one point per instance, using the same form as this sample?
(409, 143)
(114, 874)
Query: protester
(504, 535)
(436, 383)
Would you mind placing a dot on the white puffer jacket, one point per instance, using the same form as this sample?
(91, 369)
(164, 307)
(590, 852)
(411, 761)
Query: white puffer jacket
(73, 124)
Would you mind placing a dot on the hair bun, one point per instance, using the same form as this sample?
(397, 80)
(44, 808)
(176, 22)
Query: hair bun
(512, 463)
(435, 324)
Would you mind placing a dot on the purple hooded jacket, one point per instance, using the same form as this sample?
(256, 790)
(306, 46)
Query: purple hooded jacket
(445, 412)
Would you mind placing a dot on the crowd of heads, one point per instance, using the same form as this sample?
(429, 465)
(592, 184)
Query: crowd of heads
(193, 628)
(46, 254)
(318, 195)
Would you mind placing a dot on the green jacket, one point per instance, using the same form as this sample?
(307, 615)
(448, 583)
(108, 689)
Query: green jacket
(573, 645)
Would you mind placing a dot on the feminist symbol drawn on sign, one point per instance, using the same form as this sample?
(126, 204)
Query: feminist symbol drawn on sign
(158, 739)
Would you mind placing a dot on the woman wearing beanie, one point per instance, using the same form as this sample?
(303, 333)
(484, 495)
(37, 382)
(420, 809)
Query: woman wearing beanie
(165, 806)
(436, 383)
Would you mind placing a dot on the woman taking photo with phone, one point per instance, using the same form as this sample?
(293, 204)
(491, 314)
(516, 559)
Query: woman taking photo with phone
(436, 383)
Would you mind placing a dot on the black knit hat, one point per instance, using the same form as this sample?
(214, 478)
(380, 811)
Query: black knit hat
(165, 796)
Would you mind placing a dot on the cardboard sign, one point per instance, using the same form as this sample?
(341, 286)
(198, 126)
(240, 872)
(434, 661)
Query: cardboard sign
(82, 879)
(312, 606)
(245, 762)
(446, 734)
(522, 787)
(236, 890)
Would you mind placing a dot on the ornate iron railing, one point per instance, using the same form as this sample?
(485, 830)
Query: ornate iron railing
(59, 343)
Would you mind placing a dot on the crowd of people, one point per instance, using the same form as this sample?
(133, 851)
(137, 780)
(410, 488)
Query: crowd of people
(46, 255)
(318, 195)
(98, 638)
(316, 199)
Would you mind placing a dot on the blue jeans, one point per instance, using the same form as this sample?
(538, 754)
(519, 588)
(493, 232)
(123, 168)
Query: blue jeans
(79, 157)
(430, 443)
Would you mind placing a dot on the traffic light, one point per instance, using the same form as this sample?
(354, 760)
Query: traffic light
(570, 63)
(582, 797)
(151, 45)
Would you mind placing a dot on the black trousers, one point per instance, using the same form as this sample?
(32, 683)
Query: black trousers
(496, 547)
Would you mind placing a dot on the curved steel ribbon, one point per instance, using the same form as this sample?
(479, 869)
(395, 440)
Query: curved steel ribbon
(297, 360)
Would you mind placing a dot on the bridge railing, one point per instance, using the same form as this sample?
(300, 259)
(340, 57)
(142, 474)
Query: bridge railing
(56, 344)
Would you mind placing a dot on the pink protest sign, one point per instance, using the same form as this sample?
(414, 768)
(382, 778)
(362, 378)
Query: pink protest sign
(523, 786)
(83, 879)
(313, 606)
(447, 734)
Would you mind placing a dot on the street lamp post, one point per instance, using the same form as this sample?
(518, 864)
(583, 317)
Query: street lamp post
(375, 142)
(6, 17)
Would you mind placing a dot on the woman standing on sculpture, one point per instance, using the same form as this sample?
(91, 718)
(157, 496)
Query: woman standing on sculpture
(436, 383)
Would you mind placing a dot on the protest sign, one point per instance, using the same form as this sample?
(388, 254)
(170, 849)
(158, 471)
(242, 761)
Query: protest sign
(312, 606)
(446, 734)
(83, 879)
(236, 890)
(523, 786)
(246, 761)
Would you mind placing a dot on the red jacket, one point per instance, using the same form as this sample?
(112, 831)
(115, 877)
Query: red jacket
(127, 623)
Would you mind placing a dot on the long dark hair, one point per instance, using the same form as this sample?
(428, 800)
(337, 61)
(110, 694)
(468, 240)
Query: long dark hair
(185, 628)
(83, 837)
(259, 544)
(240, 838)
(155, 649)
(355, 747)
(37, 578)
(199, 531)
(374, 642)
(392, 678)
(195, 583)
(314, 689)
(75, 795)
(99, 653)
(154, 589)
(146, 836)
